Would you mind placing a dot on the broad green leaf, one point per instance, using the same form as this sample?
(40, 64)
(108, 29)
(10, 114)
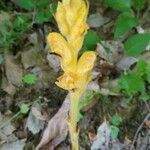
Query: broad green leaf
(91, 40)
(121, 5)
(124, 23)
(42, 3)
(53, 7)
(132, 83)
(21, 23)
(26, 4)
(29, 79)
(116, 120)
(136, 44)
(43, 15)
(144, 97)
(138, 4)
(114, 132)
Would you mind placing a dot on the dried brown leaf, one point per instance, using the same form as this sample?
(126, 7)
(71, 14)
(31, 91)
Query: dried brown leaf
(13, 70)
(57, 128)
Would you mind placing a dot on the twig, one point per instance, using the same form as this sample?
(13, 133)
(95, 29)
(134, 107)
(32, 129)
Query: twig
(138, 130)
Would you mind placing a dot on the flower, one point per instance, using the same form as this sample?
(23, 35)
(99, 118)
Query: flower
(71, 16)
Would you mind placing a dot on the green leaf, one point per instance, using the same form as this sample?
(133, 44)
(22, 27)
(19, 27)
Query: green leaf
(42, 3)
(132, 83)
(24, 109)
(144, 97)
(21, 23)
(114, 132)
(29, 79)
(136, 44)
(141, 68)
(43, 16)
(53, 8)
(91, 40)
(121, 5)
(116, 120)
(26, 4)
(124, 23)
(138, 4)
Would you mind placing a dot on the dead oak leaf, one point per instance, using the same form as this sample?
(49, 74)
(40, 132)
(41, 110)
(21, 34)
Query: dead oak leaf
(57, 128)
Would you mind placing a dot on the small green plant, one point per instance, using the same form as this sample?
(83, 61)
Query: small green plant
(29, 79)
(43, 10)
(115, 123)
(15, 25)
(134, 81)
(24, 108)
(11, 29)
(127, 20)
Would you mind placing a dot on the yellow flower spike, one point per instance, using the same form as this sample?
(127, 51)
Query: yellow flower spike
(71, 16)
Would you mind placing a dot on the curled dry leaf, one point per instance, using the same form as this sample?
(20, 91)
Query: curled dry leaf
(97, 20)
(35, 121)
(126, 63)
(57, 128)
(103, 137)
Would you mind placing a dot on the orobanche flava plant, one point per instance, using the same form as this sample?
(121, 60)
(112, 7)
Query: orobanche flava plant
(71, 16)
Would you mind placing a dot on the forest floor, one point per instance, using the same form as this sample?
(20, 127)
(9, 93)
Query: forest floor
(30, 100)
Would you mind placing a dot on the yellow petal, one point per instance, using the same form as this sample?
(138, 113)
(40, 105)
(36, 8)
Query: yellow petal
(72, 7)
(60, 46)
(68, 81)
(86, 62)
(80, 27)
(61, 19)
(77, 36)
(82, 12)
(73, 3)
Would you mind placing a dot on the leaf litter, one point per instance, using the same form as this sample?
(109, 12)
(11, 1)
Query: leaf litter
(110, 58)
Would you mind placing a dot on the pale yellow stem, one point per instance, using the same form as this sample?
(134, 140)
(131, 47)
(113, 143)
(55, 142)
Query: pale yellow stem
(73, 119)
